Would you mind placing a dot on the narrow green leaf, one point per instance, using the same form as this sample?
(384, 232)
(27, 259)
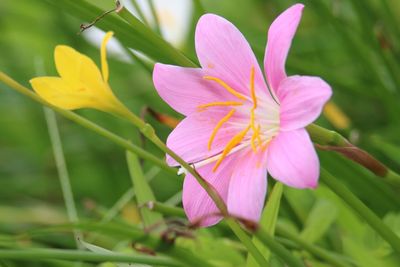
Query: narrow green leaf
(133, 34)
(359, 207)
(143, 191)
(268, 221)
(75, 255)
(321, 217)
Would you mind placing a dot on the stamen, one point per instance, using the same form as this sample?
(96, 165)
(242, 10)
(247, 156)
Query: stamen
(256, 134)
(227, 87)
(218, 126)
(231, 144)
(214, 104)
(252, 89)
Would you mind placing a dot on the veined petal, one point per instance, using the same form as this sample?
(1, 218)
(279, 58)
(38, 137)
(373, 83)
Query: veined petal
(190, 138)
(60, 93)
(280, 35)
(302, 99)
(292, 159)
(184, 89)
(75, 67)
(248, 185)
(224, 53)
(199, 207)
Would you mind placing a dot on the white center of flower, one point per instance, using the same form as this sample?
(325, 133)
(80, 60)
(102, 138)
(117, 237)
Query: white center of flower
(256, 125)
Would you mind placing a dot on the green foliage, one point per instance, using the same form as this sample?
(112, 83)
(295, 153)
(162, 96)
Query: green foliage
(353, 45)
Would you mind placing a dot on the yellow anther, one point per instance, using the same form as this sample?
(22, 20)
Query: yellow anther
(227, 87)
(252, 89)
(216, 104)
(218, 126)
(231, 144)
(256, 131)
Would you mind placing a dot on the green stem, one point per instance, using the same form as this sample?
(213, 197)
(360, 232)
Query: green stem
(75, 255)
(333, 141)
(126, 197)
(316, 251)
(278, 249)
(148, 131)
(88, 124)
(382, 229)
(326, 137)
(62, 170)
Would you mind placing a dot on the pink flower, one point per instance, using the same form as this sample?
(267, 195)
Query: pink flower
(236, 127)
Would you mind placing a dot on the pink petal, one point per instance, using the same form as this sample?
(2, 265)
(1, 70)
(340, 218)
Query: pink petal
(224, 53)
(292, 159)
(302, 99)
(280, 35)
(248, 186)
(184, 89)
(190, 138)
(199, 207)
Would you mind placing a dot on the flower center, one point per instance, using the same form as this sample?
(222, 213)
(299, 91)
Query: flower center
(256, 139)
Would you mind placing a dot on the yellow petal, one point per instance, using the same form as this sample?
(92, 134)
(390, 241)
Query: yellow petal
(76, 68)
(62, 94)
(103, 54)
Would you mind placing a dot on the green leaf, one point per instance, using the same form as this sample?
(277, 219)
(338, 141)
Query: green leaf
(321, 217)
(143, 191)
(268, 221)
(133, 34)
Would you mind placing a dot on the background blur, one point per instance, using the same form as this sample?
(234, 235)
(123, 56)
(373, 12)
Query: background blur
(354, 45)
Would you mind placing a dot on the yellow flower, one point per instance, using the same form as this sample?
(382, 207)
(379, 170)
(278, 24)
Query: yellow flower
(81, 84)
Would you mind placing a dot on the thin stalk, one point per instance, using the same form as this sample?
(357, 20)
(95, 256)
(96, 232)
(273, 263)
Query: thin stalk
(124, 199)
(155, 17)
(62, 171)
(76, 255)
(382, 229)
(316, 251)
(148, 131)
(175, 199)
(333, 141)
(88, 124)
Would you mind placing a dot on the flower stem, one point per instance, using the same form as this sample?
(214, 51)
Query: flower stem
(382, 229)
(333, 141)
(87, 124)
(75, 255)
(62, 170)
(148, 131)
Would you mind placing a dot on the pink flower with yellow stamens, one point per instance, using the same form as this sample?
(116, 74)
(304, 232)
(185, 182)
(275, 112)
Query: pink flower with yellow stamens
(237, 127)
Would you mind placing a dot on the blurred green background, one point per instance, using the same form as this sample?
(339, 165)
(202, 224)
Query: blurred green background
(354, 45)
